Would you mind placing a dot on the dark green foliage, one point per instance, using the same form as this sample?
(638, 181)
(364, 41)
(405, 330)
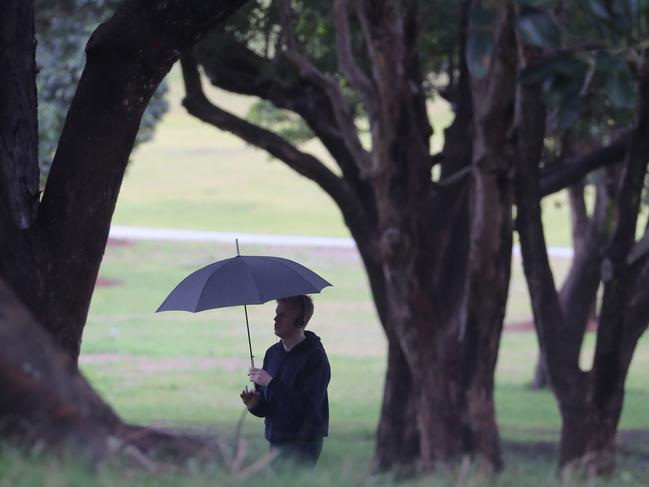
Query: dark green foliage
(282, 122)
(620, 85)
(538, 28)
(480, 43)
(257, 26)
(591, 78)
(62, 31)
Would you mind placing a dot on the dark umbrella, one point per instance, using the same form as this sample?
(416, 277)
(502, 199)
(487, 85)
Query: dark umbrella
(242, 280)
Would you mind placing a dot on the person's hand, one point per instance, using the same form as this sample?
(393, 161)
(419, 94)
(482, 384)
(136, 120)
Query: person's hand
(259, 376)
(250, 398)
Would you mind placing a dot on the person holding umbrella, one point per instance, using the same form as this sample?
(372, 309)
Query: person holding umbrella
(291, 386)
(290, 390)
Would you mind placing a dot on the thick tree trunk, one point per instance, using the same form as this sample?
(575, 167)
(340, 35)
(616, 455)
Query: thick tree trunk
(43, 398)
(53, 264)
(46, 403)
(588, 433)
(397, 438)
(619, 326)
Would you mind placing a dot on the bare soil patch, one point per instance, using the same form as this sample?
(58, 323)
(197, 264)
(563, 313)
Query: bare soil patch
(106, 282)
(119, 242)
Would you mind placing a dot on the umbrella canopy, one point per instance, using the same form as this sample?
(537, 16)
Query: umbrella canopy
(242, 280)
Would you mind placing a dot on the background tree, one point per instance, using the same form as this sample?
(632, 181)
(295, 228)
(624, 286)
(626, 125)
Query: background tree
(591, 401)
(590, 103)
(62, 30)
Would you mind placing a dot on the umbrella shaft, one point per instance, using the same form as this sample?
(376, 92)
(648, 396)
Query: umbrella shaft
(252, 358)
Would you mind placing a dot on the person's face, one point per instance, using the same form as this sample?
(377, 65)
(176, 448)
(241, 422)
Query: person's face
(285, 318)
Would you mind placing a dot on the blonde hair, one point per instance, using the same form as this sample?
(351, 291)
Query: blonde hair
(302, 302)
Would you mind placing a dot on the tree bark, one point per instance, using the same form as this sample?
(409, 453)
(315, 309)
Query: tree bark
(44, 398)
(46, 403)
(489, 264)
(53, 264)
(18, 116)
(578, 292)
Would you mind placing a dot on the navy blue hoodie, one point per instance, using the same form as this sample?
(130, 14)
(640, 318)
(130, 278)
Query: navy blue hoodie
(295, 404)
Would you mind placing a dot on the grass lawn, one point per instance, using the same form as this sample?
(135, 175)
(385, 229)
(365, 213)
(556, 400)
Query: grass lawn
(185, 370)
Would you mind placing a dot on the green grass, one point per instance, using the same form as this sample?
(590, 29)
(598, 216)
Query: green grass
(186, 370)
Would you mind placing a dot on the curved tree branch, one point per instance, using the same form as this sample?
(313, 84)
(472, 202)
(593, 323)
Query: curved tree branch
(305, 164)
(238, 69)
(553, 179)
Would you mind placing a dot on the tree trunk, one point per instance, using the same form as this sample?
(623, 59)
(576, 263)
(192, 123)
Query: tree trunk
(52, 262)
(43, 398)
(489, 259)
(46, 403)
(579, 289)
(411, 231)
(18, 116)
(397, 438)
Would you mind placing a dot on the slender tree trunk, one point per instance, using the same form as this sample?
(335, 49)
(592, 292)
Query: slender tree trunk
(489, 263)
(578, 294)
(590, 403)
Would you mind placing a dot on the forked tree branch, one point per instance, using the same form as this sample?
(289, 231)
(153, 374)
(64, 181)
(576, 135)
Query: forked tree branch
(343, 110)
(365, 29)
(553, 179)
(348, 64)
